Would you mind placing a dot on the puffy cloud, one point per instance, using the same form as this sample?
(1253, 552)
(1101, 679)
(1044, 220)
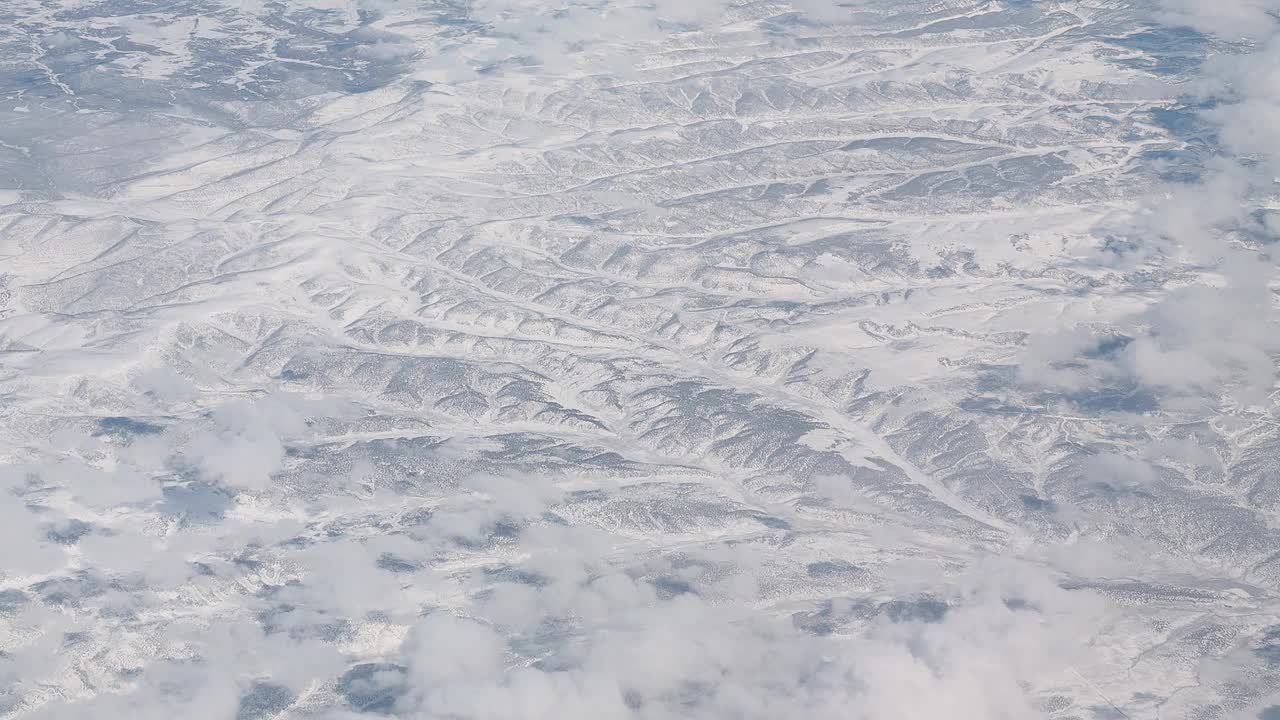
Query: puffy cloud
(1205, 339)
(686, 657)
(243, 443)
(211, 672)
(1199, 344)
(25, 539)
(1231, 19)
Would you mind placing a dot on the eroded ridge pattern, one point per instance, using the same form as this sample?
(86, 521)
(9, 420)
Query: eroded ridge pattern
(740, 359)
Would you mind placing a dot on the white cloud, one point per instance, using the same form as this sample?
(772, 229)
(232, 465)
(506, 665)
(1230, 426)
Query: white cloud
(1198, 345)
(686, 658)
(28, 550)
(1231, 19)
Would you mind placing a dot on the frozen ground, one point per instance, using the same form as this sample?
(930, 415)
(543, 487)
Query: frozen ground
(703, 359)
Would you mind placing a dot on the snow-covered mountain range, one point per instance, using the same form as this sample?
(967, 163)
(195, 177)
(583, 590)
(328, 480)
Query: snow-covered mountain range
(587, 359)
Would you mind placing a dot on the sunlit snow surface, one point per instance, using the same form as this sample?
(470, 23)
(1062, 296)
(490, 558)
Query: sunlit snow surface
(684, 360)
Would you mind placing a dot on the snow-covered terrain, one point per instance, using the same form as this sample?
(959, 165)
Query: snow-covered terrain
(581, 359)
